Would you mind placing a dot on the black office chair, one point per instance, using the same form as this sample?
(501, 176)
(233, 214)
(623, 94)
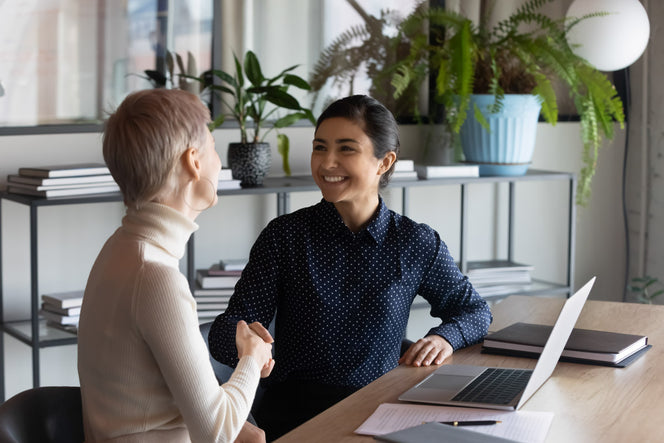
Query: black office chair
(51, 414)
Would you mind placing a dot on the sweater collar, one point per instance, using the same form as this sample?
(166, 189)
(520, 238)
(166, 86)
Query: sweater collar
(161, 225)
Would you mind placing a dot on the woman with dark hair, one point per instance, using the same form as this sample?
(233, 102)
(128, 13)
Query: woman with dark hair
(341, 276)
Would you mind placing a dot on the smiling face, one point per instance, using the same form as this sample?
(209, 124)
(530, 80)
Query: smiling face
(343, 163)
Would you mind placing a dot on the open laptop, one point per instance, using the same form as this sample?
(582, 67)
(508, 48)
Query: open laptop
(500, 388)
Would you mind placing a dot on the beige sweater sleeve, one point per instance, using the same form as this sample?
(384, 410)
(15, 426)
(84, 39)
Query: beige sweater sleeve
(166, 316)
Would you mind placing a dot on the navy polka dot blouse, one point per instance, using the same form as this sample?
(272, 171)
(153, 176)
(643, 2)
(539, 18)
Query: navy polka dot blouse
(342, 299)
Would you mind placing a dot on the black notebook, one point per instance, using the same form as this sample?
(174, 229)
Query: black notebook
(584, 345)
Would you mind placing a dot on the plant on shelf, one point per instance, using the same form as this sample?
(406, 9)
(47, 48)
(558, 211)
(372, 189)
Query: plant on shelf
(370, 49)
(477, 69)
(647, 288)
(252, 99)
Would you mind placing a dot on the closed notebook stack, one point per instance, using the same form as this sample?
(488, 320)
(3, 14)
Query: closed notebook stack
(62, 180)
(404, 169)
(583, 346)
(232, 264)
(425, 172)
(492, 278)
(62, 309)
(213, 292)
(226, 180)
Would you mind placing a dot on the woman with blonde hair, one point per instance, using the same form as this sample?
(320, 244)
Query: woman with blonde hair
(143, 365)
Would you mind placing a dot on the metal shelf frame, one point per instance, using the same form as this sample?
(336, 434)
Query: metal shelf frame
(28, 331)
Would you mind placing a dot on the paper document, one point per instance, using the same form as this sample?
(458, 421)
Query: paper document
(524, 426)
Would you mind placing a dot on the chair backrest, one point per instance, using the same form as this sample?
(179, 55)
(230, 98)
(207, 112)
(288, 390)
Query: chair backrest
(50, 414)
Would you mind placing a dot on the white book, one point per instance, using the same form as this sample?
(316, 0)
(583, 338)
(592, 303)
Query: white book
(211, 306)
(60, 187)
(212, 292)
(48, 193)
(226, 174)
(233, 264)
(478, 267)
(59, 318)
(69, 328)
(206, 281)
(404, 175)
(62, 311)
(64, 300)
(66, 170)
(444, 171)
(212, 299)
(404, 164)
(60, 181)
(229, 184)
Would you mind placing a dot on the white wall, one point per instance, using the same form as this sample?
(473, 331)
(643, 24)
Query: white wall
(70, 236)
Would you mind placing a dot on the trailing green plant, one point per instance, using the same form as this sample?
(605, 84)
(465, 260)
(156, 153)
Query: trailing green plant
(522, 54)
(370, 49)
(646, 288)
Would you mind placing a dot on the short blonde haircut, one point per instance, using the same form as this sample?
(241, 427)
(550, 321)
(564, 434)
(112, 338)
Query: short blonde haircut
(145, 137)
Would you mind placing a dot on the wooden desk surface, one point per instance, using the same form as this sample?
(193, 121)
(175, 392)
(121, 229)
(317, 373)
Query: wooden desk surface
(590, 403)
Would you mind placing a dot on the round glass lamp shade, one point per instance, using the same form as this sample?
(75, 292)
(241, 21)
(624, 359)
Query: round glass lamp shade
(613, 41)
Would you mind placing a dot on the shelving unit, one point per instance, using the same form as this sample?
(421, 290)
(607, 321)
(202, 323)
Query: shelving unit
(37, 335)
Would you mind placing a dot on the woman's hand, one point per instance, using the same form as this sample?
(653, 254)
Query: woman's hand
(425, 351)
(256, 341)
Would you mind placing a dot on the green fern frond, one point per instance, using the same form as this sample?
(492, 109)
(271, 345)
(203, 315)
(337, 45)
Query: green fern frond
(401, 80)
(481, 119)
(544, 90)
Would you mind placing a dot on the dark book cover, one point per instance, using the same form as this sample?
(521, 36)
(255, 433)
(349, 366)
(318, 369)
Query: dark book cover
(583, 343)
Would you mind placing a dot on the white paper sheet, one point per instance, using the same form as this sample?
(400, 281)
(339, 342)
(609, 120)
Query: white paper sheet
(523, 426)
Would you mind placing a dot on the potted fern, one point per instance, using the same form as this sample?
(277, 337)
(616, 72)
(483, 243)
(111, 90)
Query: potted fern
(367, 50)
(479, 68)
(252, 99)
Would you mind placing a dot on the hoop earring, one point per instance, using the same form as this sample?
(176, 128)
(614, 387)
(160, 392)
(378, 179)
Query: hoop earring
(214, 194)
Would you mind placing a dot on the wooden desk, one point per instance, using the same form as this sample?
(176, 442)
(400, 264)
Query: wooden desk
(590, 403)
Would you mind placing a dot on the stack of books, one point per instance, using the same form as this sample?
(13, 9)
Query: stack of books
(425, 172)
(214, 287)
(404, 169)
(491, 278)
(226, 180)
(62, 309)
(62, 180)
(583, 346)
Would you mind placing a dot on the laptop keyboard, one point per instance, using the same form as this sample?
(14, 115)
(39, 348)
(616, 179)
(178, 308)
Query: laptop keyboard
(495, 386)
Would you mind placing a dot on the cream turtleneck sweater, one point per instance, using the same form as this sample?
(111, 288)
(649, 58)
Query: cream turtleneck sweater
(142, 362)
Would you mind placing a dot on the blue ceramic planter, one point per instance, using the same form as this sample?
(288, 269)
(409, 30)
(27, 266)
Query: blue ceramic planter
(507, 148)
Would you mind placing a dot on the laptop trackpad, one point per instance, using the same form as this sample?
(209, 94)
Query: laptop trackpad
(447, 382)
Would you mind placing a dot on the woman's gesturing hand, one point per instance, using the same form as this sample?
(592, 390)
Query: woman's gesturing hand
(256, 341)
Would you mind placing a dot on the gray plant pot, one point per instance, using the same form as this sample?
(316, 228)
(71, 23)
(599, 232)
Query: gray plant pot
(250, 162)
